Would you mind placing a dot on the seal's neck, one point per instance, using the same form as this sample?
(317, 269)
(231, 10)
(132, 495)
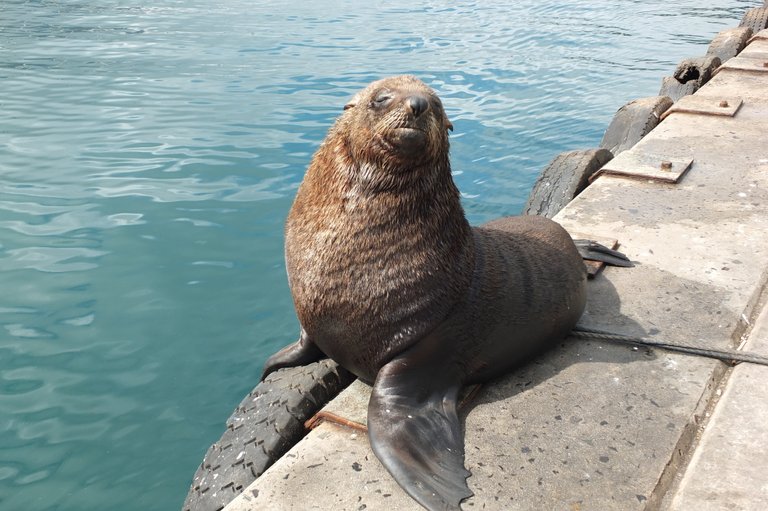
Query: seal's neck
(426, 190)
(428, 179)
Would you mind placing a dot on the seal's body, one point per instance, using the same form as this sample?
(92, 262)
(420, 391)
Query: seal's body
(390, 281)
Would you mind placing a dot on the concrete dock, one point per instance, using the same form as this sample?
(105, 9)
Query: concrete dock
(601, 426)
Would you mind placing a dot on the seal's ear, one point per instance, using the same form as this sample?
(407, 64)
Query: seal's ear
(448, 124)
(352, 102)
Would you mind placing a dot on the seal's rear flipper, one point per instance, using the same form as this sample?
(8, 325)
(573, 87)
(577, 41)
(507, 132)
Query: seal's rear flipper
(415, 432)
(300, 353)
(594, 251)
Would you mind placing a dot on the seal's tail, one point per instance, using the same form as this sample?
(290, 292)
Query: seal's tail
(594, 251)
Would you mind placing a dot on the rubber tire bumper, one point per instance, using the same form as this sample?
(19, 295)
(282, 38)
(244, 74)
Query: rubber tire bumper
(263, 427)
(756, 19)
(633, 121)
(689, 75)
(563, 179)
(728, 43)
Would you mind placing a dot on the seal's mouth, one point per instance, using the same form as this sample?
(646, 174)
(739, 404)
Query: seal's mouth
(406, 138)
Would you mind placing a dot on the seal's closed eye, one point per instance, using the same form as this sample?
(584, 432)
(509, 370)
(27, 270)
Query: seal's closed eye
(382, 99)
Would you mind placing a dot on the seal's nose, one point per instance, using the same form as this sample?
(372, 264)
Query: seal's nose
(417, 105)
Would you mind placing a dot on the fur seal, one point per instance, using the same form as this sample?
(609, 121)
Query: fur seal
(390, 281)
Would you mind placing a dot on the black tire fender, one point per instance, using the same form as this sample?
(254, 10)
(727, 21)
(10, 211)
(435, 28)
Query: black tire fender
(675, 90)
(563, 179)
(728, 43)
(263, 427)
(633, 121)
(756, 19)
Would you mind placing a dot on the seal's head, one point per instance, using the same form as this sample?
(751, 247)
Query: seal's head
(397, 123)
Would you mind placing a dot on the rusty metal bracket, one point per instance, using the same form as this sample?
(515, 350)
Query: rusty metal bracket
(324, 416)
(705, 106)
(635, 165)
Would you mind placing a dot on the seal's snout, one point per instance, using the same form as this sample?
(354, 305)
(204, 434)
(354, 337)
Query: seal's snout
(417, 104)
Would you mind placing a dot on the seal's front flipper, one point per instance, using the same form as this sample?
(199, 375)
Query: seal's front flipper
(594, 251)
(414, 429)
(300, 353)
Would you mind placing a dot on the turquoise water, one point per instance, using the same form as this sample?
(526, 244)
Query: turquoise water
(149, 152)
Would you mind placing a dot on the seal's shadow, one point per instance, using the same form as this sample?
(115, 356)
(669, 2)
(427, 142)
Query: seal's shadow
(553, 419)
(603, 312)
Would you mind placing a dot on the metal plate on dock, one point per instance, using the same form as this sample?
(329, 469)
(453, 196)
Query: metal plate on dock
(645, 166)
(705, 106)
(751, 62)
